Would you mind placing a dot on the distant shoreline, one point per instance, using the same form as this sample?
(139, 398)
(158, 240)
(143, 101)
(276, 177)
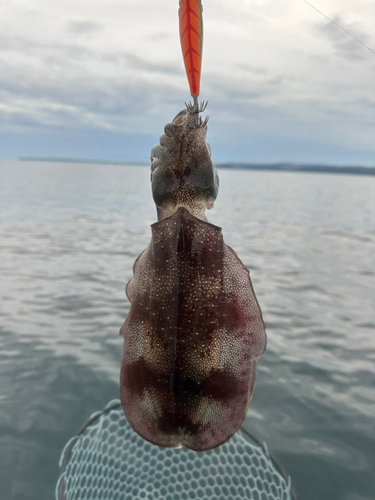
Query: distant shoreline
(78, 160)
(301, 167)
(279, 167)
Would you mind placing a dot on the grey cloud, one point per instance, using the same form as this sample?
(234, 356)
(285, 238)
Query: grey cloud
(133, 61)
(243, 88)
(346, 45)
(82, 88)
(278, 80)
(84, 27)
(161, 37)
(98, 100)
(94, 97)
(368, 103)
(66, 54)
(43, 50)
(264, 76)
(23, 122)
(258, 70)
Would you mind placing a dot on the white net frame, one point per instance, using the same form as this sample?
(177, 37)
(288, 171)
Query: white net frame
(107, 460)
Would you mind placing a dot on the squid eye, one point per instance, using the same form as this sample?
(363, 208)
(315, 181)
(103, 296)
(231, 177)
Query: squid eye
(180, 118)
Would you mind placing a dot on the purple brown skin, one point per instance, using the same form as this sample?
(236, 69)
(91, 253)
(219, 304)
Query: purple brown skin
(182, 172)
(194, 332)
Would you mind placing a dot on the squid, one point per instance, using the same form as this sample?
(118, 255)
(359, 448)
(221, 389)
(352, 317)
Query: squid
(194, 332)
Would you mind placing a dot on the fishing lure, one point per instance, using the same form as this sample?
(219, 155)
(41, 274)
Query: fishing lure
(191, 37)
(194, 332)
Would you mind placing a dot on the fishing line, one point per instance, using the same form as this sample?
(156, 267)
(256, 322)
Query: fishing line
(346, 31)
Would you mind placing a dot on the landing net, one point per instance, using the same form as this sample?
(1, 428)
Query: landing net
(107, 460)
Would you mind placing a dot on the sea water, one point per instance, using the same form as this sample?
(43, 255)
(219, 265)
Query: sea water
(69, 235)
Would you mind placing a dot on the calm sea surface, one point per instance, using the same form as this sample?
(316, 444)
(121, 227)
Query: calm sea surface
(69, 235)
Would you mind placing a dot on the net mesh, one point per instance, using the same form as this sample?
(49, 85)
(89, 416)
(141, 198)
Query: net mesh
(107, 460)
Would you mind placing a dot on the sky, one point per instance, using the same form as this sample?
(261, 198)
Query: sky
(99, 79)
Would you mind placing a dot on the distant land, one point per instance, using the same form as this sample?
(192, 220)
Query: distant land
(80, 160)
(301, 167)
(280, 167)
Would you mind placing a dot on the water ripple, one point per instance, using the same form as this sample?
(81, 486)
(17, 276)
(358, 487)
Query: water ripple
(69, 236)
